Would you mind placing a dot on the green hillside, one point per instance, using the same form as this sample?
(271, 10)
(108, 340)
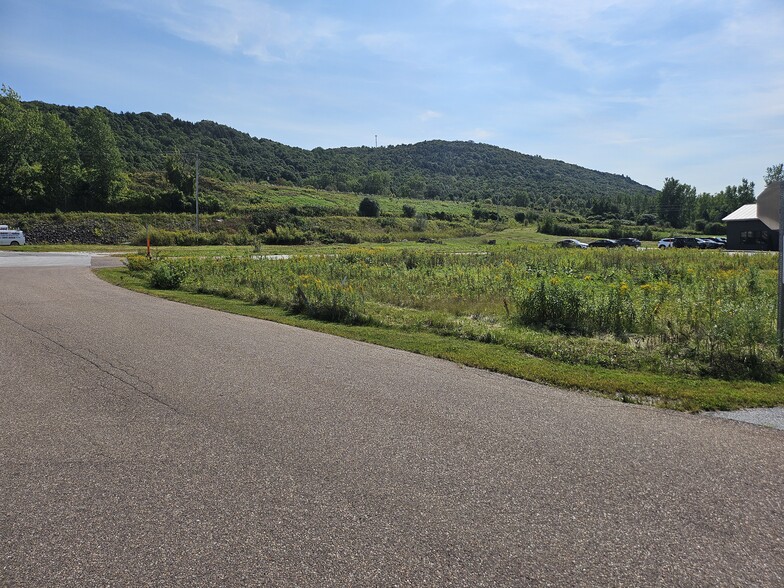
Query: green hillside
(452, 170)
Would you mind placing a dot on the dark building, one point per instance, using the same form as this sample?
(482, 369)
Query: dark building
(756, 226)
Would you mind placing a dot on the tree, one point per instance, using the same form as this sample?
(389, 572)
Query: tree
(369, 207)
(775, 173)
(19, 132)
(102, 178)
(60, 168)
(376, 182)
(745, 193)
(676, 202)
(177, 175)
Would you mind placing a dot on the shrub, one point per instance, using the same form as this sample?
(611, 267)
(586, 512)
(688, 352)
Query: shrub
(167, 275)
(138, 263)
(369, 207)
(485, 214)
(568, 305)
(646, 234)
(647, 219)
(520, 217)
(442, 215)
(334, 302)
(420, 223)
(715, 229)
(409, 211)
(285, 235)
(547, 225)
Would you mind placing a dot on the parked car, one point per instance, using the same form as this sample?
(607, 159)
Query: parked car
(604, 243)
(713, 243)
(629, 242)
(571, 243)
(688, 242)
(666, 242)
(9, 237)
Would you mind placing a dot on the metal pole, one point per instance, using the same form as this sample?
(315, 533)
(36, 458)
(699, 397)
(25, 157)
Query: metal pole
(196, 193)
(781, 270)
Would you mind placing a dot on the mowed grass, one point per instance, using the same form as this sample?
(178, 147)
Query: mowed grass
(676, 329)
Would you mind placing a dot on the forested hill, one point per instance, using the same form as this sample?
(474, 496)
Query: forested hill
(432, 169)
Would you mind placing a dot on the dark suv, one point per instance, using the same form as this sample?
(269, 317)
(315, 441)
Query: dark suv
(629, 241)
(689, 242)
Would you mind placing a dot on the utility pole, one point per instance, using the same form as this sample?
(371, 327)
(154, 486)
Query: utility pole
(376, 140)
(781, 270)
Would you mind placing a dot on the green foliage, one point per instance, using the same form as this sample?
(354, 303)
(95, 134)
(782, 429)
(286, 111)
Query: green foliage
(485, 214)
(448, 170)
(675, 312)
(102, 179)
(676, 203)
(715, 229)
(369, 207)
(409, 211)
(420, 223)
(285, 235)
(568, 304)
(138, 263)
(775, 173)
(520, 217)
(167, 274)
(46, 163)
(713, 207)
(616, 231)
(187, 237)
(327, 301)
(547, 224)
(376, 182)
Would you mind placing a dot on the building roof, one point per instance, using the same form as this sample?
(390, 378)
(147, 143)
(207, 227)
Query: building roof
(765, 209)
(745, 212)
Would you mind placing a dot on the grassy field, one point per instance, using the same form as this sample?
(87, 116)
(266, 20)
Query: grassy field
(687, 329)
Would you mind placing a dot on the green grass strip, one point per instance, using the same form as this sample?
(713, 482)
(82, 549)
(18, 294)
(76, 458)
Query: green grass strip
(688, 394)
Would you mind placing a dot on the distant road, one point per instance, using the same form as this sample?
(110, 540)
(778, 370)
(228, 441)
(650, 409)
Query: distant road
(148, 443)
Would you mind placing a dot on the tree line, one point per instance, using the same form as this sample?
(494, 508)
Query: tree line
(45, 164)
(57, 157)
(680, 206)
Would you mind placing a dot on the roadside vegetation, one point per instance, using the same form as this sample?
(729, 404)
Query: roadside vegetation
(653, 322)
(440, 247)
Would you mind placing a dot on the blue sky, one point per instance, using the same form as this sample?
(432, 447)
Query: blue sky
(692, 89)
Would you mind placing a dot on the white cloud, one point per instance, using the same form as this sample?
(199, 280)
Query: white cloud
(430, 115)
(253, 28)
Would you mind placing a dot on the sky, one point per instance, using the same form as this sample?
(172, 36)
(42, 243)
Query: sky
(690, 89)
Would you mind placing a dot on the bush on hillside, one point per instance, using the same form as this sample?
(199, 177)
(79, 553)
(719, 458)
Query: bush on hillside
(369, 207)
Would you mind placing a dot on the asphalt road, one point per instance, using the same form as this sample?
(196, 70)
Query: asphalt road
(147, 443)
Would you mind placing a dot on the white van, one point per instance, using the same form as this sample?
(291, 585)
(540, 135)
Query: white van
(8, 237)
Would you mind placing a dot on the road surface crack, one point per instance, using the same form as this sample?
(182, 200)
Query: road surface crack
(112, 370)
